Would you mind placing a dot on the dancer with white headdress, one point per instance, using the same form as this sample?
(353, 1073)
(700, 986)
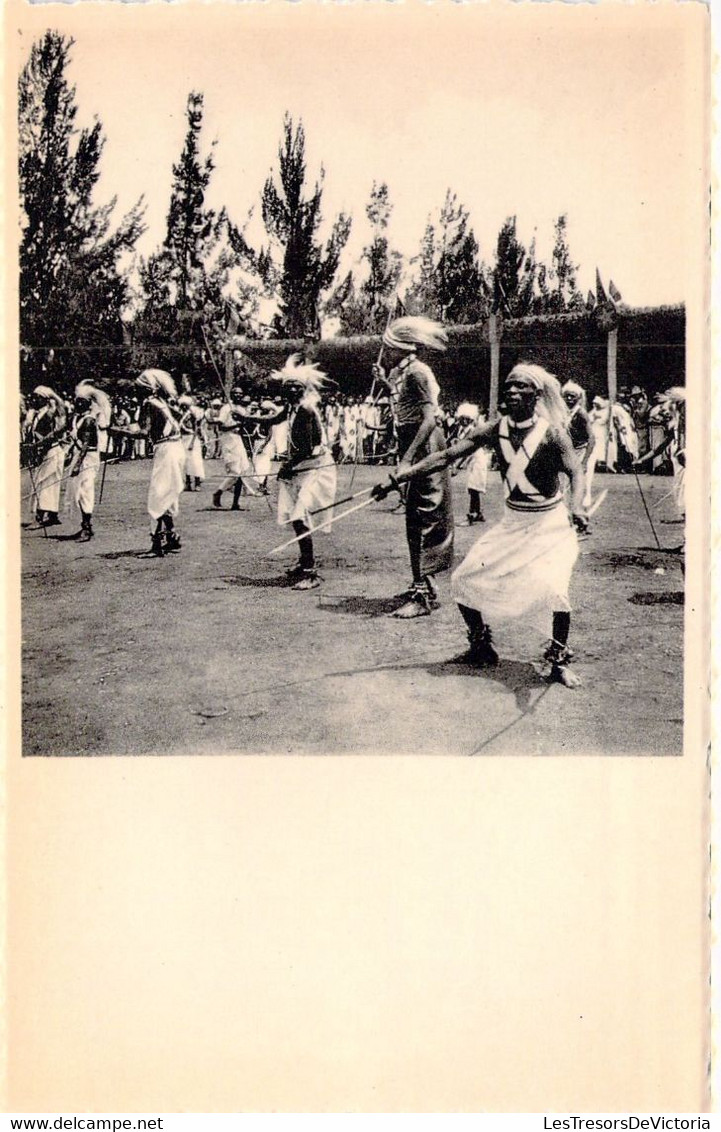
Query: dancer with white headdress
(670, 416)
(615, 435)
(520, 569)
(89, 433)
(159, 423)
(307, 479)
(428, 505)
(232, 420)
(47, 438)
(191, 422)
(580, 431)
(469, 417)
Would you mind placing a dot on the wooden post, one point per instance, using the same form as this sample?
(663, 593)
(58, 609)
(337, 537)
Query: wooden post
(495, 342)
(612, 378)
(611, 372)
(229, 369)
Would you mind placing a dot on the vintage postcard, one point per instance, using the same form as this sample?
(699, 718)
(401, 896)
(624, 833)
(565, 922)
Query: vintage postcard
(358, 397)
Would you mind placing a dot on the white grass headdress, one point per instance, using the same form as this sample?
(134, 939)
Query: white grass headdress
(577, 390)
(301, 373)
(414, 330)
(46, 393)
(157, 380)
(467, 410)
(676, 393)
(550, 404)
(100, 405)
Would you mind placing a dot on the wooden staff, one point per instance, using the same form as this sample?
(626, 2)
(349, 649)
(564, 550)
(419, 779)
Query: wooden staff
(212, 358)
(321, 527)
(102, 478)
(35, 493)
(645, 507)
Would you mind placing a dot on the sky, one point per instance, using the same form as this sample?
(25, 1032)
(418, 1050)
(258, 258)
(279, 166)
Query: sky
(596, 112)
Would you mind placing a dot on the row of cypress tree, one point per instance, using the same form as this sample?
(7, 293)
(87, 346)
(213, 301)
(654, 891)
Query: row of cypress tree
(89, 303)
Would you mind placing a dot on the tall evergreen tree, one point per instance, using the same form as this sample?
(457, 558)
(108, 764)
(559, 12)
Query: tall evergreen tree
(363, 309)
(74, 286)
(563, 292)
(514, 273)
(292, 216)
(384, 264)
(191, 226)
(450, 282)
(203, 279)
(423, 291)
(461, 291)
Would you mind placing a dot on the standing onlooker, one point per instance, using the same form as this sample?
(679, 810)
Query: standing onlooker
(640, 412)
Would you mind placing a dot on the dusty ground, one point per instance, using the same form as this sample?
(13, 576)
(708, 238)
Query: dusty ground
(208, 651)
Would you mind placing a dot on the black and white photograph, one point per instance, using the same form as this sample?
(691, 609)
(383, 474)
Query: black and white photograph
(357, 667)
(353, 387)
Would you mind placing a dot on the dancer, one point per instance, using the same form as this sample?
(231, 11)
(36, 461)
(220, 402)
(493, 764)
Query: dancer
(92, 407)
(191, 420)
(47, 436)
(159, 424)
(467, 418)
(212, 412)
(519, 570)
(670, 415)
(265, 443)
(307, 479)
(581, 432)
(428, 505)
(616, 441)
(232, 419)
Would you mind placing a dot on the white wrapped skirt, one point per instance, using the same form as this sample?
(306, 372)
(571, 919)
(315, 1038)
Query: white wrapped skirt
(313, 486)
(477, 470)
(46, 481)
(520, 569)
(167, 478)
(81, 488)
(194, 466)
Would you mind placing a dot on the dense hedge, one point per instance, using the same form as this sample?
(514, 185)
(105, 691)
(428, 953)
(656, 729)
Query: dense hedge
(651, 353)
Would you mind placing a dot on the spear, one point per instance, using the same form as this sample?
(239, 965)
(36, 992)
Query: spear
(391, 314)
(35, 493)
(340, 502)
(212, 358)
(102, 479)
(52, 483)
(645, 507)
(321, 527)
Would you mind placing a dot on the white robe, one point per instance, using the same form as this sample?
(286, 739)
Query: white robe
(477, 470)
(234, 456)
(167, 478)
(80, 495)
(194, 465)
(46, 481)
(312, 487)
(520, 569)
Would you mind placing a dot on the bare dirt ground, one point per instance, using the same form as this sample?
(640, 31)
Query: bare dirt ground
(209, 652)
